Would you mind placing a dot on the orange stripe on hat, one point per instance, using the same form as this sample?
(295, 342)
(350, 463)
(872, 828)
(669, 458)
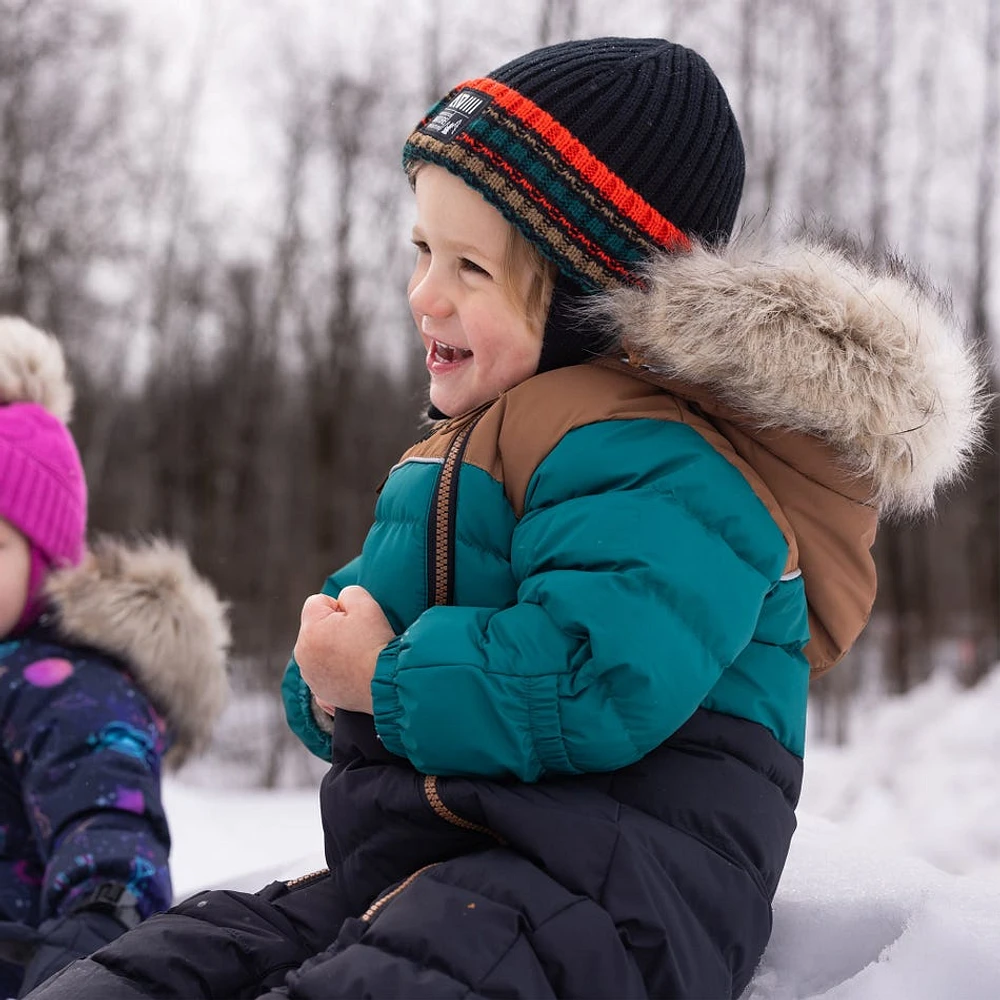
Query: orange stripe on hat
(628, 201)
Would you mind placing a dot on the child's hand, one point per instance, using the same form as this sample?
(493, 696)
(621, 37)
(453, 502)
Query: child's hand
(338, 644)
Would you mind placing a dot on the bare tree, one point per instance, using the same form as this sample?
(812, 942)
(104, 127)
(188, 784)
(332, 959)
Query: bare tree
(60, 100)
(163, 215)
(433, 70)
(926, 126)
(763, 107)
(836, 110)
(896, 584)
(984, 550)
(675, 14)
(749, 74)
(178, 186)
(557, 21)
(986, 194)
(882, 64)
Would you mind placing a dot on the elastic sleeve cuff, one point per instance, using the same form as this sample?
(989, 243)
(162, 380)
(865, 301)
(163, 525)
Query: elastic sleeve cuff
(386, 706)
(543, 697)
(298, 701)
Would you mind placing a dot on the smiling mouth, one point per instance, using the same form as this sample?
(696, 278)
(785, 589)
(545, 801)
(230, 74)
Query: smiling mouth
(446, 354)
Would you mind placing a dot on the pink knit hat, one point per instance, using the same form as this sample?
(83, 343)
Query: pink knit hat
(43, 492)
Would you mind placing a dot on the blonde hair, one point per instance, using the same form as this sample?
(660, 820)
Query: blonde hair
(521, 254)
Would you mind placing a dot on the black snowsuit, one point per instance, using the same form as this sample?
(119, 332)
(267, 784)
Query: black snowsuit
(457, 887)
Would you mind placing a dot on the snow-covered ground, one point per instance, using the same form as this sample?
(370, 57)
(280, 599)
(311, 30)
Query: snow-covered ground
(892, 889)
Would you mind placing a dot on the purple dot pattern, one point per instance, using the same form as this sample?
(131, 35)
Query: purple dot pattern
(81, 751)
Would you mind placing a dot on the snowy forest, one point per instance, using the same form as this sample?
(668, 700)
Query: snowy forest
(204, 202)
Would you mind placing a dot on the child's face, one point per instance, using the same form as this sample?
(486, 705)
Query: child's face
(15, 576)
(470, 310)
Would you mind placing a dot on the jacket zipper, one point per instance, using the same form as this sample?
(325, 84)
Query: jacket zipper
(441, 522)
(440, 809)
(311, 877)
(374, 909)
(434, 800)
(441, 579)
(436, 803)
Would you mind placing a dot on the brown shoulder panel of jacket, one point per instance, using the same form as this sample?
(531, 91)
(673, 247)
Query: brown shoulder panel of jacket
(528, 421)
(524, 426)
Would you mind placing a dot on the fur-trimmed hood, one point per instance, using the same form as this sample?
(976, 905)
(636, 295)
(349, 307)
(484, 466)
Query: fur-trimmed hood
(826, 341)
(146, 605)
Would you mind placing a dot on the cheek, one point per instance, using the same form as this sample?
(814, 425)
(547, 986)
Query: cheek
(16, 576)
(515, 357)
(529, 346)
(525, 360)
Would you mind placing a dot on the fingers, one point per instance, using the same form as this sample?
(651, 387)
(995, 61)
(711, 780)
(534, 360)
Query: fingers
(355, 598)
(317, 612)
(338, 646)
(318, 607)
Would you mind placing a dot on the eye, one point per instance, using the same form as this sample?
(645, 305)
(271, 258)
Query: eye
(421, 246)
(472, 267)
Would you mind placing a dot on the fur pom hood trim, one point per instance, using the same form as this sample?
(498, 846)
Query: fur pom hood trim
(146, 605)
(824, 340)
(33, 369)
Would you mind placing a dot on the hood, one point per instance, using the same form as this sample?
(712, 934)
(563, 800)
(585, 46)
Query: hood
(146, 605)
(827, 341)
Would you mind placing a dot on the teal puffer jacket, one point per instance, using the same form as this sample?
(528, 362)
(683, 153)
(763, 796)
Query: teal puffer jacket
(637, 577)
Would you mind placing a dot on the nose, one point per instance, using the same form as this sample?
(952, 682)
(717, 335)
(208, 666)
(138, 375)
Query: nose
(428, 295)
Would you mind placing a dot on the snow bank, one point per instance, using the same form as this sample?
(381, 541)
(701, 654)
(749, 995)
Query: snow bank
(920, 774)
(853, 921)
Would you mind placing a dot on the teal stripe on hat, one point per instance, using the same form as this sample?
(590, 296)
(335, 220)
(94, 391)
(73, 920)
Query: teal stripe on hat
(552, 184)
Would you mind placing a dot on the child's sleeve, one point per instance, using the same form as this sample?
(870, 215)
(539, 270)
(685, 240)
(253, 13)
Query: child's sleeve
(304, 717)
(87, 748)
(643, 559)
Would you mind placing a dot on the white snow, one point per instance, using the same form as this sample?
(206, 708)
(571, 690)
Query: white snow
(241, 839)
(892, 888)
(855, 921)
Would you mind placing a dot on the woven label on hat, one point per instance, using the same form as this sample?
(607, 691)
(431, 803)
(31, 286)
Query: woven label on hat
(465, 107)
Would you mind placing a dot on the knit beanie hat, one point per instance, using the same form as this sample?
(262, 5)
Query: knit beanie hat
(601, 152)
(43, 492)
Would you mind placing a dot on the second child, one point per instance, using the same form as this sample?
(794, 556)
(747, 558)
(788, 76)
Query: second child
(112, 664)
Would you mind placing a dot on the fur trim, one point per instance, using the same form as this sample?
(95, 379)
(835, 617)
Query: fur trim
(822, 340)
(33, 369)
(147, 605)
